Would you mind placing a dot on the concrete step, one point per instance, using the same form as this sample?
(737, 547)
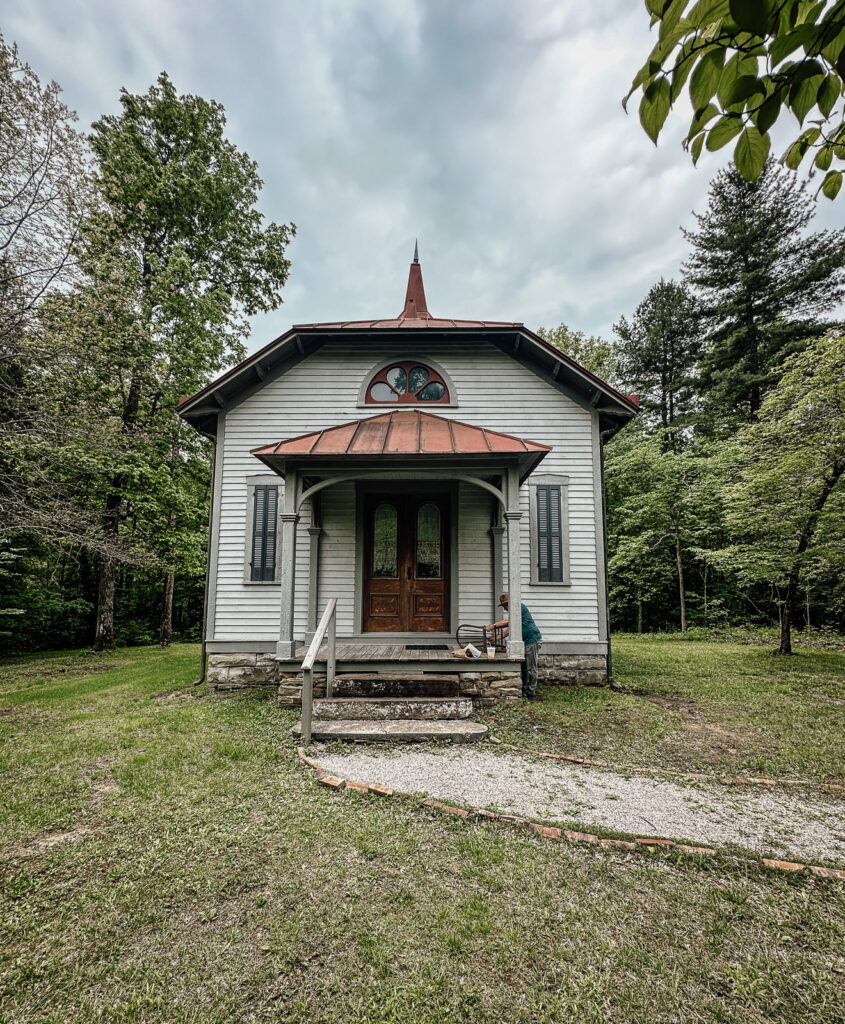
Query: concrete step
(380, 709)
(394, 731)
(363, 684)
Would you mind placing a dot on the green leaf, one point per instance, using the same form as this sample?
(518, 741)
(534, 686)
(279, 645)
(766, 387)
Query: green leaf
(802, 97)
(701, 118)
(769, 112)
(828, 94)
(654, 108)
(740, 64)
(695, 148)
(723, 131)
(680, 74)
(751, 152)
(705, 78)
(705, 12)
(753, 16)
(671, 17)
(641, 77)
(786, 44)
(824, 157)
(744, 87)
(832, 184)
(795, 154)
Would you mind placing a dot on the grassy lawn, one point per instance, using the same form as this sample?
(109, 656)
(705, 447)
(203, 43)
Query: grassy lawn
(208, 878)
(702, 706)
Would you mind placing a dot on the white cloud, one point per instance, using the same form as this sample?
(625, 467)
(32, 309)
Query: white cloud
(491, 130)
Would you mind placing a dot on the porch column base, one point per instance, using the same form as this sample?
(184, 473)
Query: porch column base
(515, 649)
(285, 649)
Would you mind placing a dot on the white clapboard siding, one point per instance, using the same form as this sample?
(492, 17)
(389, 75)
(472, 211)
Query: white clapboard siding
(475, 554)
(492, 390)
(337, 554)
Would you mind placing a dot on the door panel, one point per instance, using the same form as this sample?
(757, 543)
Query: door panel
(406, 563)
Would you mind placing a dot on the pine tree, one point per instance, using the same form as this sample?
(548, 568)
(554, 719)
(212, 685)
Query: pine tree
(764, 285)
(658, 352)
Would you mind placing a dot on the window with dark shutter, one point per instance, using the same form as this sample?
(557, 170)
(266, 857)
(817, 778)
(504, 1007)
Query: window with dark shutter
(549, 534)
(265, 506)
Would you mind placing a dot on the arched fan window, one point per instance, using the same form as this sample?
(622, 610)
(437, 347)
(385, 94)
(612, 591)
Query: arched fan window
(407, 383)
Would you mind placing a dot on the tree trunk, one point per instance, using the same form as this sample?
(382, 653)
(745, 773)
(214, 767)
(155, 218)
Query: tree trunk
(104, 629)
(639, 615)
(807, 608)
(786, 620)
(167, 611)
(803, 543)
(681, 581)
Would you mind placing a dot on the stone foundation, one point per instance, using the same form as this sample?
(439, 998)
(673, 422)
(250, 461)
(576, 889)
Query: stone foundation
(490, 687)
(572, 669)
(247, 671)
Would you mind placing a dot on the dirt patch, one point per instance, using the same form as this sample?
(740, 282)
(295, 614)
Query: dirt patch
(104, 788)
(169, 695)
(46, 842)
(85, 670)
(682, 705)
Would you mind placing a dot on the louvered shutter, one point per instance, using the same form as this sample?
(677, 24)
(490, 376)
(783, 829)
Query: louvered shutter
(549, 534)
(265, 506)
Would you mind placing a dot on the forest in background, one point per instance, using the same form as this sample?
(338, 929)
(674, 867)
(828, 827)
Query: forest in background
(130, 259)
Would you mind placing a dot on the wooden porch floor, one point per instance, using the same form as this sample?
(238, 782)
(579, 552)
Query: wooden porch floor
(381, 653)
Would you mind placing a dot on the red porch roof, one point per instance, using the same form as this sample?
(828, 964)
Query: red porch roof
(404, 432)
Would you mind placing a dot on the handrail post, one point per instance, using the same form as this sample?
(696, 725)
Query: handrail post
(331, 659)
(307, 698)
(329, 619)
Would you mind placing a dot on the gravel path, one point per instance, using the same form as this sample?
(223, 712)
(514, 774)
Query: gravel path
(767, 821)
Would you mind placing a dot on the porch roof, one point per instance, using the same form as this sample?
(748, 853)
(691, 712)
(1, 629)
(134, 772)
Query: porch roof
(404, 433)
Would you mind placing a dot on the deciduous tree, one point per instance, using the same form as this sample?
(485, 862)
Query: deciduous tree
(783, 480)
(176, 256)
(744, 62)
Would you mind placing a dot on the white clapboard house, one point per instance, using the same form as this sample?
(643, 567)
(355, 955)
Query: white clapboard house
(388, 479)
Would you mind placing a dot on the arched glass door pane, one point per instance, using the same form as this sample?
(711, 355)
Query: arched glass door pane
(385, 562)
(428, 541)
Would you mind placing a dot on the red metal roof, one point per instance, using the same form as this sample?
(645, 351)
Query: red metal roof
(403, 321)
(403, 432)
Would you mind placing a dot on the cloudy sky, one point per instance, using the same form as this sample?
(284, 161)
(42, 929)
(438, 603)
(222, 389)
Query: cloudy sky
(490, 129)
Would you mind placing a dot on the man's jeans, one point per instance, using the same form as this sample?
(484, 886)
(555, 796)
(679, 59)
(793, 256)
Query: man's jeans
(528, 669)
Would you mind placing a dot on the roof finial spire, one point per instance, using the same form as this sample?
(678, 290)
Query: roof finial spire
(415, 307)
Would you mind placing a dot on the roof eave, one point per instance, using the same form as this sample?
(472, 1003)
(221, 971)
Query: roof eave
(292, 347)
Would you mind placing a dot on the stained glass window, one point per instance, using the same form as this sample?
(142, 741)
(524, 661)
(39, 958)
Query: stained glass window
(408, 383)
(384, 541)
(428, 541)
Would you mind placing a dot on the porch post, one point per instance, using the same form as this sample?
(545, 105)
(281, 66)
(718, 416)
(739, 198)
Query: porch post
(497, 532)
(513, 515)
(314, 531)
(285, 648)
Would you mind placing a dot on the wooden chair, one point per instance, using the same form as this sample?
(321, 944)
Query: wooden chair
(476, 635)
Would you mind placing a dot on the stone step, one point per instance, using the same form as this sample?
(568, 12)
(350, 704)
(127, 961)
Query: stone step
(379, 709)
(364, 684)
(394, 731)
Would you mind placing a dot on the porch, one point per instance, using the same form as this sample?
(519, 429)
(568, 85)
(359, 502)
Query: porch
(404, 562)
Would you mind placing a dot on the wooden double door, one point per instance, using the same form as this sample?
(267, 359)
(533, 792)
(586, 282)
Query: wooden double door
(406, 563)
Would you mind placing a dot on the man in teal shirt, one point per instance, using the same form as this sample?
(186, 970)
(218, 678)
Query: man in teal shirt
(531, 637)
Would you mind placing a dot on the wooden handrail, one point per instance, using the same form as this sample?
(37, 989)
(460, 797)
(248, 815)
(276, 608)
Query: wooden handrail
(329, 619)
